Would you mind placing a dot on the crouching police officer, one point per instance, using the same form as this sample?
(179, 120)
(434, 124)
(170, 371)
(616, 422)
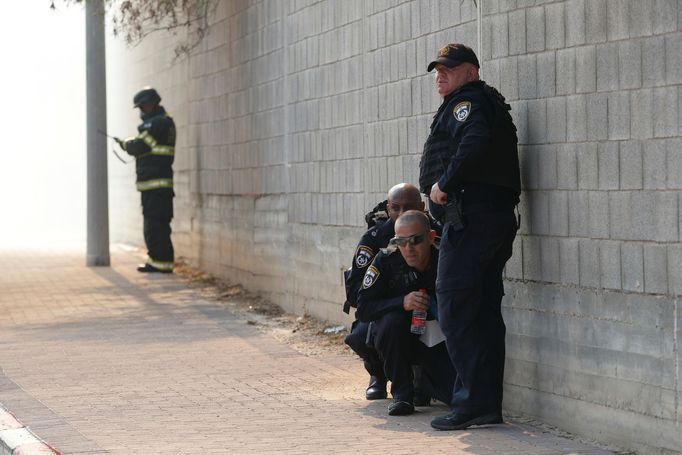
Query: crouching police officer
(395, 284)
(470, 167)
(154, 150)
(401, 198)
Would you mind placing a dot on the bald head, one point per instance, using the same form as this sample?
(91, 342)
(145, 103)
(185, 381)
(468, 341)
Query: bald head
(403, 197)
(405, 191)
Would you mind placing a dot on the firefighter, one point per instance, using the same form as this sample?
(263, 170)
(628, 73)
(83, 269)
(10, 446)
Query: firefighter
(154, 150)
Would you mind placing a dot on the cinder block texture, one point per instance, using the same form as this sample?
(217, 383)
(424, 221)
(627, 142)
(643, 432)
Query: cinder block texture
(565, 71)
(535, 29)
(575, 22)
(294, 119)
(596, 20)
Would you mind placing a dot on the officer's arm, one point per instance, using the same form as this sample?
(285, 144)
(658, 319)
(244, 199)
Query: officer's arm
(474, 130)
(373, 300)
(364, 254)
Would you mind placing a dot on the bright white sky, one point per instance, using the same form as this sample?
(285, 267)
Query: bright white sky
(42, 119)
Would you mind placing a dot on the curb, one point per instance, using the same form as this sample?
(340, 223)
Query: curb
(18, 439)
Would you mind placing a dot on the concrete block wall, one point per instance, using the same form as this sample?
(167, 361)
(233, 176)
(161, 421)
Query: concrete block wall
(591, 308)
(294, 118)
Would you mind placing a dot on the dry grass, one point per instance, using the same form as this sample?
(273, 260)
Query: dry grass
(303, 333)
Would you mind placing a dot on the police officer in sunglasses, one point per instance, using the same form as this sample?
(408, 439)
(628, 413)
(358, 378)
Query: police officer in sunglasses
(400, 280)
(401, 198)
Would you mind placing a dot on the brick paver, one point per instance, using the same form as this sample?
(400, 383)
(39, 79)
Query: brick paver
(106, 360)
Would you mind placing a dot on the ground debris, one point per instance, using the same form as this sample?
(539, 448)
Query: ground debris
(192, 275)
(335, 329)
(305, 334)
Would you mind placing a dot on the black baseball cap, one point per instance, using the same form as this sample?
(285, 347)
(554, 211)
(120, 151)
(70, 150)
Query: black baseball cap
(454, 54)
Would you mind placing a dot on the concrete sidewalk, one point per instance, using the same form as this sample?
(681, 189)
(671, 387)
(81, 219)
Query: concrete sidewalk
(106, 360)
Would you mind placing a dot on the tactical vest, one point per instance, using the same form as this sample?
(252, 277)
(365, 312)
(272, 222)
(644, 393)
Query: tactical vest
(499, 165)
(403, 279)
(378, 215)
(438, 150)
(496, 164)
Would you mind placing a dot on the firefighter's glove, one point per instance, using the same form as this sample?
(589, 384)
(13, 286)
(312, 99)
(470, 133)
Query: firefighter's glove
(120, 142)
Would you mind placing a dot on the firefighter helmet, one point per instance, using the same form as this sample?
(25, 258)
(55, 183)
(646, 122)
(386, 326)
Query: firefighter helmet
(146, 96)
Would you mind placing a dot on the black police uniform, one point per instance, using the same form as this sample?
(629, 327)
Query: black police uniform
(372, 241)
(380, 299)
(154, 150)
(472, 151)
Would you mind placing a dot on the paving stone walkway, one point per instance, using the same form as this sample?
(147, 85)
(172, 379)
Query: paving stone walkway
(107, 360)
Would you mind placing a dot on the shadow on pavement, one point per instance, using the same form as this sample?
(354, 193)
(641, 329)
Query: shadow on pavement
(159, 309)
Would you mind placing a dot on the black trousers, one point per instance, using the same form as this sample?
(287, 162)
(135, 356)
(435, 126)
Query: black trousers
(400, 349)
(157, 210)
(357, 340)
(469, 289)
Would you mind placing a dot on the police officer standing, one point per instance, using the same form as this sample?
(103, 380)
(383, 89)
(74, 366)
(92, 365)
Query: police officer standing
(154, 150)
(470, 169)
(401, 198)
(397, 283)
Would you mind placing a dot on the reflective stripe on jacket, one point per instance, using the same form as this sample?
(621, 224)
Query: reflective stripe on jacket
(146, 137)
(154, 184)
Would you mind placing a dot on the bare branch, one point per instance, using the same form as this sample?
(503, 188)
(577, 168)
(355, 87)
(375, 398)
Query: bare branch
(133, 20)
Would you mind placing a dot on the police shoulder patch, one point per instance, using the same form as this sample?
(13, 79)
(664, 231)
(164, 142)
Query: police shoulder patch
(363, 256)
(462, 110)
(371, 276)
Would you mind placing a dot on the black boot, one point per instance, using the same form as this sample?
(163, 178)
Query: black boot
(376, 390)
(148, 268)
(457, 421)
(400, 408)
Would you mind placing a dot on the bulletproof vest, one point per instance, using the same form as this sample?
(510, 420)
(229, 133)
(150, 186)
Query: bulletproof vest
(438, 150)
(403, 280)
(499, 165)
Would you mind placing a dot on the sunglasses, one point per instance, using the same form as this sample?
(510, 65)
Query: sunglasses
(412, 240)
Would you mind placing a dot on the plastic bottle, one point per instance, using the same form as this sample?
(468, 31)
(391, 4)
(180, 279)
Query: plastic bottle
(418, 320)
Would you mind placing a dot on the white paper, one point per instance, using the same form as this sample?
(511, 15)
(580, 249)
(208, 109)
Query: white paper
(433, 334)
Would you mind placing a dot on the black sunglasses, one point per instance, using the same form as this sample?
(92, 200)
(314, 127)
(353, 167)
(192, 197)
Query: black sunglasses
(412, 240)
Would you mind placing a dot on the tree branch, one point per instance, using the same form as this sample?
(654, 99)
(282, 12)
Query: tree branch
(134, 20)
